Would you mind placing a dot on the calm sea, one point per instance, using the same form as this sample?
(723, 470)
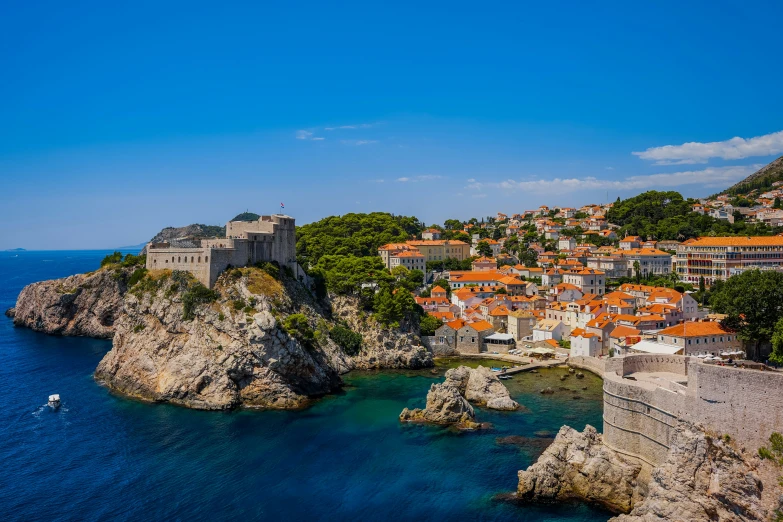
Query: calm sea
(101, 457)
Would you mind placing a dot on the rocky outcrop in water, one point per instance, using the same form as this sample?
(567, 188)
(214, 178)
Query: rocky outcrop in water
(445, 405)
(80, 305)
(447, 402)
(703, 479)
(482, 387)
(577, 466)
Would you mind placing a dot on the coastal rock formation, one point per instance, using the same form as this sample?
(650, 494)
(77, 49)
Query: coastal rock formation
(577, 466)
(482, 387)
(225, 356)
(445, 405)
(82, 305)
(447, 402)
(703, 479)
(188, 236)
(382, 347)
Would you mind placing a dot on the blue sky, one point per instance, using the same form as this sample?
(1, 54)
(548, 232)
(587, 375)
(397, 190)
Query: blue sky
(116, 121)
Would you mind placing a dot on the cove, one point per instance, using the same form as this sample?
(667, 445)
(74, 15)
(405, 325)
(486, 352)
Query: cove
(345, 457)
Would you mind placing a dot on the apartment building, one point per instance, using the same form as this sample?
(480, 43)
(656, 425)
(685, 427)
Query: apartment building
(717, 258)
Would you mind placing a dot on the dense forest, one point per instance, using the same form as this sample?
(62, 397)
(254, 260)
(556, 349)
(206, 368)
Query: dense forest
(341, 254)
(667, 215)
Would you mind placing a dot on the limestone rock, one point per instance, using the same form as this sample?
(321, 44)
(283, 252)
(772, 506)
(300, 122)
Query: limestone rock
(80, 305)
(484, 388)
(382, 347)
(578, 466)
(445, 405)
(220, 359)
(702, 480)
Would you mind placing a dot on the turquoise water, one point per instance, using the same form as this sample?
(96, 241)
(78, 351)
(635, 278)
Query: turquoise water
(346, 458)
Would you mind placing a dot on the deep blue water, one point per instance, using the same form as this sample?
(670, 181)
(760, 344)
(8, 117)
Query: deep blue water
(102, 457)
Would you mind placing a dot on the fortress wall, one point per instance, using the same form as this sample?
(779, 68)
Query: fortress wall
(638, 420)
(746, 404)
(647, 363)
(639, 415)
(591, 364)
(197, 261)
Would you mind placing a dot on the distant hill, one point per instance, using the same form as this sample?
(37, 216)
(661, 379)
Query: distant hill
(16, 250)
(247, 216)
(762, 178)
(187, 236)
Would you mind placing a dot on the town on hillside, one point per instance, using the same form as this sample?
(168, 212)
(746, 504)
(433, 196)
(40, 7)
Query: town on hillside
(559, 281)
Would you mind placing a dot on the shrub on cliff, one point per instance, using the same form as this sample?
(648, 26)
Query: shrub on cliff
(137, 276)
(296, 326)
(129, 260)
(195, 295)
(347, 339)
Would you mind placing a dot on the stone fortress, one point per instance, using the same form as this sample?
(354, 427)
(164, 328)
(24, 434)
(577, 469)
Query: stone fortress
(645, 396)
(269, 238)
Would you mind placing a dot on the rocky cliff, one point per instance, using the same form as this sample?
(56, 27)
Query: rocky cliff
(230, 348)
(703, 479)
(83, 304)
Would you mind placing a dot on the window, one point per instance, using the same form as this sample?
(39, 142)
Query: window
(179, 259)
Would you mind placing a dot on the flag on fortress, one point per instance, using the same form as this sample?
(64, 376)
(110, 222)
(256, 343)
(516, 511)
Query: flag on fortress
(281, 205)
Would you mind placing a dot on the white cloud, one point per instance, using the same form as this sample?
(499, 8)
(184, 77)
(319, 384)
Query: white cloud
(471, 180)
(403, 180)
(377, 180)
(424, 177)
(350, 127)
(358, 142)
(609, 168)
(303, 134)
(695, 152)
(478, 196)
(712, 177)
(318, 139)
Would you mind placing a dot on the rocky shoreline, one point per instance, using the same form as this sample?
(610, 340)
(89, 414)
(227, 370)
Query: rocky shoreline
(233, 350)
(703, 479)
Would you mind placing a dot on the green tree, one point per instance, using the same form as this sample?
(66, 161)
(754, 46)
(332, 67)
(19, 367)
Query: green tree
(777, 203)
(387, 309)
(777, 343)
(452, 224)
(753, 301)
(484, 249)
(529, 258)
(637, 270)
(429, 324)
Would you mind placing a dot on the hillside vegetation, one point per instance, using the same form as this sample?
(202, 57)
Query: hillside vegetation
(667, 215)
(761, 179)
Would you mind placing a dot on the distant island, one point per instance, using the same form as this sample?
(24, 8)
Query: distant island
(16, 250)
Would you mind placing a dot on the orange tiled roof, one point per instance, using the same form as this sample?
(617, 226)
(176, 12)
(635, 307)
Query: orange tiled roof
(695, 329)
(776, 241)
(623, 331)
(456, 324)
(480, 326)
(499, 311)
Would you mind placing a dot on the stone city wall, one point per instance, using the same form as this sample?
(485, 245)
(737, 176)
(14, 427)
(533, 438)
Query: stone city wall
(591, 364)
(639, 416)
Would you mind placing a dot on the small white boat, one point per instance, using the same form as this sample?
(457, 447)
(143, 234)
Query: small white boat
(54, 401)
